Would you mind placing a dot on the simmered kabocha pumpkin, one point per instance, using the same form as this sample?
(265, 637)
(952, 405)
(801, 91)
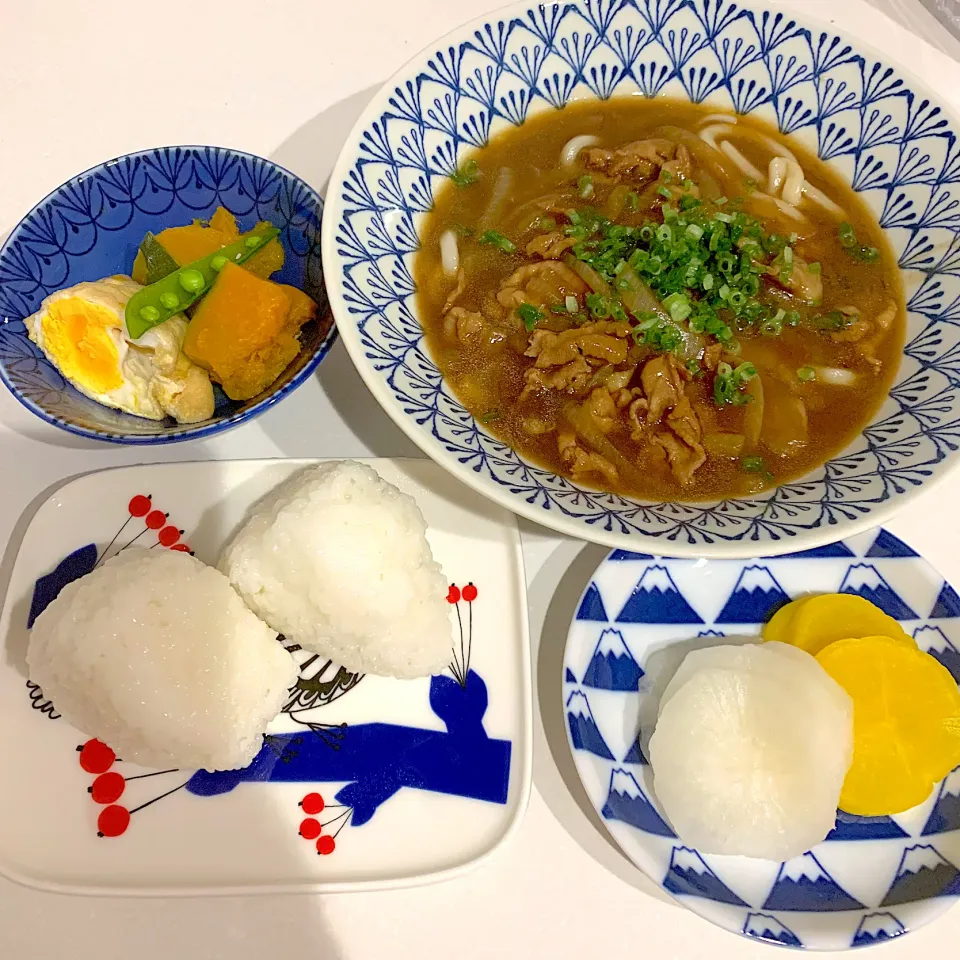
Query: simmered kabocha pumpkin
(245, 331)
(198, 239)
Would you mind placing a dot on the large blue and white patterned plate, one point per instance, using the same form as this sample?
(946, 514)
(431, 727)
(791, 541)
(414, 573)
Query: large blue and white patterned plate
(91, 227)
(879, 128)
(873, 878)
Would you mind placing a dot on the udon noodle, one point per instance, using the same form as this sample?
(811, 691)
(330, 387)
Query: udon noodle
(660, 300)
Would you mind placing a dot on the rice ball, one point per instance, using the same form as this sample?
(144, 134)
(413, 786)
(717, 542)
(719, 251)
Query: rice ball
(155, 654)
(337, 560)
(750, 751)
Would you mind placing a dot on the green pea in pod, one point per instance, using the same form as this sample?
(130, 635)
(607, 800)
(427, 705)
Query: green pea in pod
(174, 293)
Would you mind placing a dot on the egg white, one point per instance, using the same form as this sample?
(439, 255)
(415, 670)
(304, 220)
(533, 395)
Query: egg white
(157, 380)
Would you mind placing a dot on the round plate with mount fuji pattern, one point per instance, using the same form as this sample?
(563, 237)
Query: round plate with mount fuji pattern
(873, 878)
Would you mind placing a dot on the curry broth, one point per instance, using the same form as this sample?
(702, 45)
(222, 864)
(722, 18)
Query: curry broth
(490, 377)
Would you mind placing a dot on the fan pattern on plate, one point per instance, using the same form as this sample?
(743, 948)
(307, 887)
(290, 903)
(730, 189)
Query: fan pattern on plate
(896, 148)
(873, 878)
(91, 227)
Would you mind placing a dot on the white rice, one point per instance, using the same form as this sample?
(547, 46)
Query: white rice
(154, 654)
(337, 560)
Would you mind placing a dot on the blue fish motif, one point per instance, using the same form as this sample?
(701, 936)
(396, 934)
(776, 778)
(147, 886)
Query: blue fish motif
(379, 759)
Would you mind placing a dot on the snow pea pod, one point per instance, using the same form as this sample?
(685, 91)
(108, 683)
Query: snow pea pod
(174, 293)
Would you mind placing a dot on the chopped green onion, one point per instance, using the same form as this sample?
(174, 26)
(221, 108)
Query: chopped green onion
(490, 417)
(571, 304)
(585, 187)
(495, 239)
(530, 315)
(694, 231)
(806, 374)
(814, 269)
(678, 306)
(729, 383)
(467, 175)
(835, 320)
(847, 235)
(633, 201)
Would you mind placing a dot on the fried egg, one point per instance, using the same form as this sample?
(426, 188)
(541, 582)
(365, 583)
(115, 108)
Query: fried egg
(82, 332)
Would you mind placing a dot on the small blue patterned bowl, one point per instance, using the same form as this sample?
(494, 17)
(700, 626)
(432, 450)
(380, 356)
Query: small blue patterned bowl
(885, 134)
(92, 226)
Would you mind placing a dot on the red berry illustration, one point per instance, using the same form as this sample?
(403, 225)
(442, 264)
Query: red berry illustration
(312, 803)
(182, 547)
(113, 821)
(96, 757)
(310, 829)
(155, 519)
(168, 536)
(326, 845)
(453, 594)
(139, 506)
(108, 788)
(469, 593)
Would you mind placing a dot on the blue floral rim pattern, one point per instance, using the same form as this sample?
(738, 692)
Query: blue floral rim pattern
(893, 143)
(91, 227)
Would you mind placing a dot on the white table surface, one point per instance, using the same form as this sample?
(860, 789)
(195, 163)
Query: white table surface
(81, 82)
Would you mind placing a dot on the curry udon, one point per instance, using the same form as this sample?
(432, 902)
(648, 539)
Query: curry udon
(651, 298)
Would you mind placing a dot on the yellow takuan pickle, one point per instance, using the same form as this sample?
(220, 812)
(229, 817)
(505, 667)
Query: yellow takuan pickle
(812, 623)
(906, 713)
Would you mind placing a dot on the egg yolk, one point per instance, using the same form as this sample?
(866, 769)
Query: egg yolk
(76, 335)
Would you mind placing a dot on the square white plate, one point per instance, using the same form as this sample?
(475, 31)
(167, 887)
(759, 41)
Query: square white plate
(431, 776)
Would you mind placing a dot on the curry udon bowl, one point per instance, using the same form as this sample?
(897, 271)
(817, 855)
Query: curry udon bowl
(858, 174)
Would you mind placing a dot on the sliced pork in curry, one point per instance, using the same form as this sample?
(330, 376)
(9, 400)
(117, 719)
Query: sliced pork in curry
(660, 301)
